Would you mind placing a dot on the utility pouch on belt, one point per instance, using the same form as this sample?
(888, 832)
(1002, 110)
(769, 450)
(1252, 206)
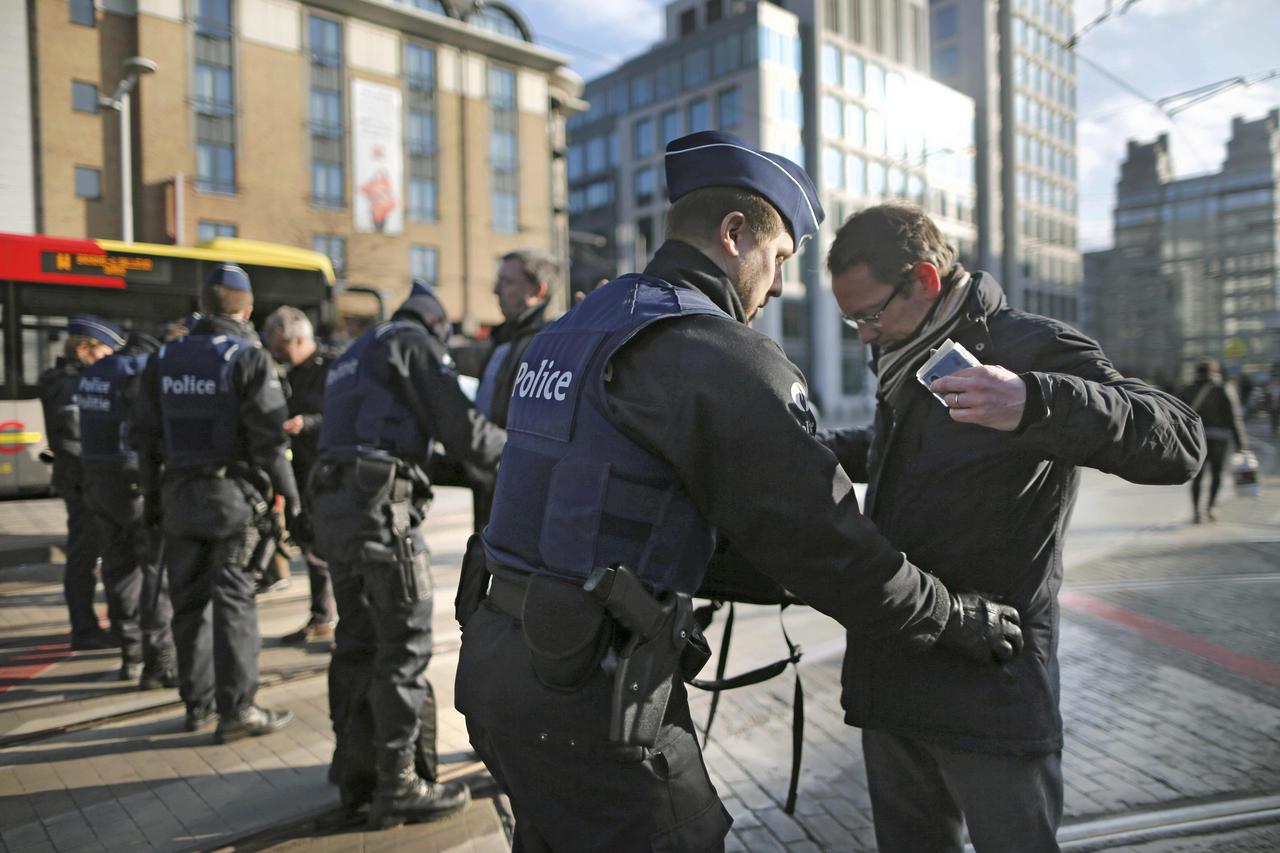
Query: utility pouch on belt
(473, 581)
(371, 480)
(566, 631)
(658, 630)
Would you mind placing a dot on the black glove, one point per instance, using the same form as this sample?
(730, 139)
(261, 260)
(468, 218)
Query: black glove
(983, 630)
(299, 527)
(152, 510)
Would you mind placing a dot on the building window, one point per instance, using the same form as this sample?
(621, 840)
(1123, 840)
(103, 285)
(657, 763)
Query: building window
(643, 138)
(697, 68)
(853, 74)
(646, 185)
(715, 10)
(688, 21)
(420, 133)
(855, 125)
(215, 167)
(422, 201)
(82, 12)
(207, 230)
(832, 117)
(670, 126)
(328, 178)
(699, 115)
(84, 97)
(830, 65)
(213, 18)
(642, 90)
(832, 168)
(336, 249)
(213, 98)
(855, 174)
(503, 150)
(88, 182)
(729, 108)
(424, 263)
(419, 66)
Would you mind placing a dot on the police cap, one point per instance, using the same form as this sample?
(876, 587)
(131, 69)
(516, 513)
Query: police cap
(230, 276)
(711, 158)
(89, 326)
(424, 306)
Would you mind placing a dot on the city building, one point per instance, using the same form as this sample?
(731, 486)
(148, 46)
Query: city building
(1025, 133)
(840, 86)
(421, 138)
(1195, 270)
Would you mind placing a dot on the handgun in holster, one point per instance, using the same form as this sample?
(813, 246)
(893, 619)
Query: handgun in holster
(661, 640)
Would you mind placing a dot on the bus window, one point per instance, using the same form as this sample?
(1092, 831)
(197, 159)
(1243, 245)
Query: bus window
(41, 345)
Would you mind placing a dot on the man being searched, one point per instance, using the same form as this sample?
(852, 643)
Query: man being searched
(291, 338)
(208, 426)
(975, 477)
(132, 574)
(389, 398)
(88, 340)
(1219, 409)
(630, 445)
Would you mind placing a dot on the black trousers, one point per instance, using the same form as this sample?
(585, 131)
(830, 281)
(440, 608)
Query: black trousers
(323, 606)
(924, 795)
(215, 619)
(1214, 461)
(547, 751)
(79, 584)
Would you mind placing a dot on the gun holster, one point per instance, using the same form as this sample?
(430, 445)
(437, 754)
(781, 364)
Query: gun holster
(473, 582)
(566, 632)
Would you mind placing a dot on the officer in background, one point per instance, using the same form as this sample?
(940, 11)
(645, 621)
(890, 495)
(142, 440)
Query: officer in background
(210, 416)
(643, 422)
(137, 599)
(389, 397)
(289, 335)
(88, 340)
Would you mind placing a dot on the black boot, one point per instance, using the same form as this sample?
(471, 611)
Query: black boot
(404, 796)
(159, 670)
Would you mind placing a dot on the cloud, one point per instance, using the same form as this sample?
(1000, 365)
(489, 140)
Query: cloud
(597, 34)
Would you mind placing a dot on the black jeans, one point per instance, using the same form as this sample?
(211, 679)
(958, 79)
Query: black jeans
(923, 796)
(1214, 461)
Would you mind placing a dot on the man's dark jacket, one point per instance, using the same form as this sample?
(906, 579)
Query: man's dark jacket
(304, 391)
(1219, 409)
(987, 510)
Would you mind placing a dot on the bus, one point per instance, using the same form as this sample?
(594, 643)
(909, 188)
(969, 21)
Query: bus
(44, 280)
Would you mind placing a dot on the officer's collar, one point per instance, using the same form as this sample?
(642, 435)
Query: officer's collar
(216, 324)
(683, 265)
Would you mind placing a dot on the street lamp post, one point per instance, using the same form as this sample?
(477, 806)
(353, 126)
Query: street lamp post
(134, 67)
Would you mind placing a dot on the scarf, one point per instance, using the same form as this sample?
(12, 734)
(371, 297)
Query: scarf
(897, 366)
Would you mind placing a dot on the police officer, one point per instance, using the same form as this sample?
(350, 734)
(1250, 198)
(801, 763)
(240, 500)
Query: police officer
(389, 397)
(210, 413)
(137, 600)
(642, 423)
(89, 339)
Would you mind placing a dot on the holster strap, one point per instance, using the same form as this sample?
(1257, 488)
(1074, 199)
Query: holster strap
(506, 592)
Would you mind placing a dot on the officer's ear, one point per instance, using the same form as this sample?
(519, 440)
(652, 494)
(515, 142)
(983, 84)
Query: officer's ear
(732, 229)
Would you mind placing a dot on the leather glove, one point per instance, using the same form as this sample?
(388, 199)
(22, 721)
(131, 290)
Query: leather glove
(152, 510)
(982, 630)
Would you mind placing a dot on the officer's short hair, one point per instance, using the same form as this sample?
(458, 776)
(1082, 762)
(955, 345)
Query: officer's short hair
(216, 299)
(539, 267)
(289, 323)
(696, 215)
(889, 238)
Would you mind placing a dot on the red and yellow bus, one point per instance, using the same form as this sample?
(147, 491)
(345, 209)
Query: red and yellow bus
(44, 280)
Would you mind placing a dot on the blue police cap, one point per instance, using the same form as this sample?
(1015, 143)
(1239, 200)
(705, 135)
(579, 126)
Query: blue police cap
(426, 307)
(89, 326)
(230, 276)
(711, 158)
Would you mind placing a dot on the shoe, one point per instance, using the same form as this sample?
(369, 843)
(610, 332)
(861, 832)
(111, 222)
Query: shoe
(93, 641)
(1210, 514)
(311, 632)
(251, 722)
(402, 796)
(198, 718)
(159, 673)
(130, 670)
(271, 584)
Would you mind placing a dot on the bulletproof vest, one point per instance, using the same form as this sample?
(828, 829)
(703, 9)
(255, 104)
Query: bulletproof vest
(104, 418)
(574, 492)
(199, 403)
(362, 414)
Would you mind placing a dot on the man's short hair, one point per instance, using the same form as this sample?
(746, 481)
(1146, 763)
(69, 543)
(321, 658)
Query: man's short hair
(889, 238)
(696, 216)
(216, 299)
(539, 267)
(289, 323)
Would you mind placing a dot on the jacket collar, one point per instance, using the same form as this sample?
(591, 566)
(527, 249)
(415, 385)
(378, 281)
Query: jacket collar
(683, 265)
(530, 320)
(216, 324)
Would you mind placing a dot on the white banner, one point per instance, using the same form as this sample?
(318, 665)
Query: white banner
(378, 157)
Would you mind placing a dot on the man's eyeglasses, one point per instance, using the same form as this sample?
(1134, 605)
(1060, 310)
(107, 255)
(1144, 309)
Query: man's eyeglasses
(873, 319)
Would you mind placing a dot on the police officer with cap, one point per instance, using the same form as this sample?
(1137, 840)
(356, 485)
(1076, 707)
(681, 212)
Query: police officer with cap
(209, 430)
(137, 600)
(388, 398)
(88, 339)
(644, 423)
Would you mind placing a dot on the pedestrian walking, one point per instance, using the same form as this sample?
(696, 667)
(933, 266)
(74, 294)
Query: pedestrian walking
(137, 595)
(389, 398)
(291, 338)
(643, 422)
(208, 426)
(1219, 409)
(974, 475)
(88, 339)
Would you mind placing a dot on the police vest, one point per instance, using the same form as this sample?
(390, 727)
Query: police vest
(574, 492)
(199, 404)
(104, 418)
(362, 414)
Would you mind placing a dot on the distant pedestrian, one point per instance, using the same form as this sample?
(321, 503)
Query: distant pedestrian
(88, 340)
(1218, 406)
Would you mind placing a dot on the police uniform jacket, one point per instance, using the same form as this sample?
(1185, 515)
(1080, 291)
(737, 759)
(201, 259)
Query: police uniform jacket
(722, 404)
(987, 510)
(58, 387)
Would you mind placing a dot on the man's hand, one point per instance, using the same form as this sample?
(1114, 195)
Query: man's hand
(983, 630)
(986, 395)
(293, 426)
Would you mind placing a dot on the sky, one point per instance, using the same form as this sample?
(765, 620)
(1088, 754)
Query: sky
(1157, 47)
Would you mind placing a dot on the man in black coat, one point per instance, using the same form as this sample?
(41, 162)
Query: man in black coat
(1219, 409)
(978, 488)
